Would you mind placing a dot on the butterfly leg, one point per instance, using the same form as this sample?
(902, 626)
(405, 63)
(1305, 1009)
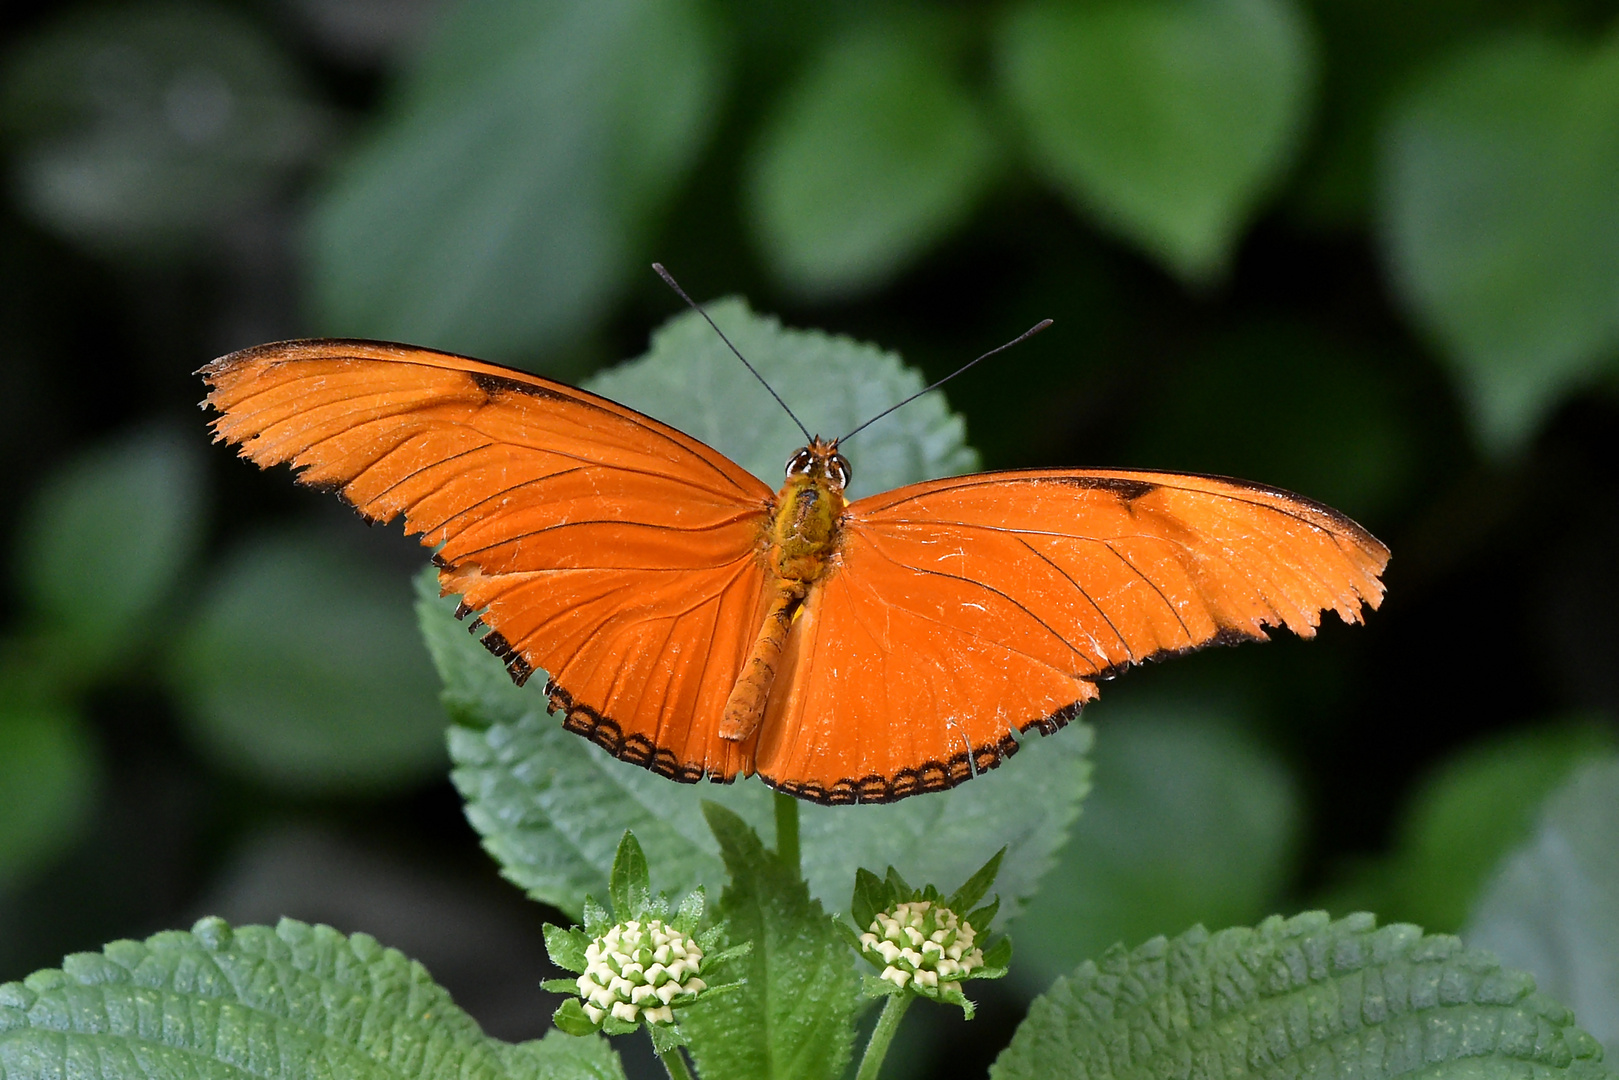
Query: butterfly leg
(746, 706)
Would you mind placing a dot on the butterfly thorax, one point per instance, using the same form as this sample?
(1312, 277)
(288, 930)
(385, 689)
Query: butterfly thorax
(804, 529)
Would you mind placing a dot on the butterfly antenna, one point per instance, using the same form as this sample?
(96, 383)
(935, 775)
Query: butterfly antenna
(669, 280)
(1026, 335)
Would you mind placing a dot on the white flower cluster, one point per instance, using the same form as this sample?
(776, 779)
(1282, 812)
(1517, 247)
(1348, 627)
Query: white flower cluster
(640, 969)
(924, 944)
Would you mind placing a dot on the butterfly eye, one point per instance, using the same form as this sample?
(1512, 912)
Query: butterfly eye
(800, 463)
(838, 469)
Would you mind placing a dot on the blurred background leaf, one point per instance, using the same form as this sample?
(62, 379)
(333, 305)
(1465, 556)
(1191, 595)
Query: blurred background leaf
(47, 782)
(1553, 906)
(182, 180)
(144, 128)
(1477, 806)
(104, 542)
(1192, 821)
(511, 189)
(876, 153)
(1167, 119)
(303, 668)
(1501, 210)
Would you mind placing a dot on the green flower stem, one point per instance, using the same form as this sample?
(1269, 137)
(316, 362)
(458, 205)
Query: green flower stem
(883, 1034)
(675, 1062)
(787, 830)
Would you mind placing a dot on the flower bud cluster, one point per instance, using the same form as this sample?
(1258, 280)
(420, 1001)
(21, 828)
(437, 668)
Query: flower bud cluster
(640, 969)
(924, 945)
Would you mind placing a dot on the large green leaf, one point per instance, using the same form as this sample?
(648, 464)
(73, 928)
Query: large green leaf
(551, 807)
(507, 196)
(1553, 907)
(691, 380)
(1299, 997)
(47, 782)
(1500, 194)
(303, 668)
(143, 128)
(103, 544)
(793, 1019)
(1191, 821)
(1168, 120)
(875, 153)
(295, 1002)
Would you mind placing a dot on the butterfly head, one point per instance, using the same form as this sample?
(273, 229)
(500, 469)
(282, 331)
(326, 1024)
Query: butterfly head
(820, 460)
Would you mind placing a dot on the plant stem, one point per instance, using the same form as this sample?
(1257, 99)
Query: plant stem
(787, 830)
(675, 1062)
(871, 1062)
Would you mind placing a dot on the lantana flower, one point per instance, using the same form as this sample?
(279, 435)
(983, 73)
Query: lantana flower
(925, 944)
(636, 965)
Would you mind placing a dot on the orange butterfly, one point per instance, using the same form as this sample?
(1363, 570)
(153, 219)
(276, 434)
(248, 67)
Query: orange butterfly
(700, 625)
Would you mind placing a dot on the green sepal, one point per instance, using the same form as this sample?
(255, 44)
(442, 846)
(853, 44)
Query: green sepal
(630, 885)
(567, 946)
(955, 997)
(974, 888)
(597, 921)
(898, 886)
(612, 1025)
(871, 895)
(873, 987)
(724, 956)
(560, 986)
(690, 915)
(724, 988)
(666, 1038)
(570, 1019)
(997, 958)
(849, 933)
(981, 919)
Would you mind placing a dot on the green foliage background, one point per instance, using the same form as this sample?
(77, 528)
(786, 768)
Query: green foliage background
(1365, 249)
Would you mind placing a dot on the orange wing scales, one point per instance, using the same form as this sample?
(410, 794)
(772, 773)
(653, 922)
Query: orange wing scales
(964, 610)
(611, 551)
(627, 560)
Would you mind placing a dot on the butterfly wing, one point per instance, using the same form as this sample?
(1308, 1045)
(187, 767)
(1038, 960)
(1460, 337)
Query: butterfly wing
(610, 550)
(960, 611)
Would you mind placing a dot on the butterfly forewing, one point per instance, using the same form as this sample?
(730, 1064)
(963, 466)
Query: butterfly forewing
(610, 550)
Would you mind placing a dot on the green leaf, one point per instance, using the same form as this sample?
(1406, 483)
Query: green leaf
(508, 196)
(973, 889)
(1475, 808)
(691, 380)
(302, 668)
(874, 154)
(570, 1018)
(566, 947)
(794, 1017)
(104, 543)
(1500, 193)
(1553, 907)
(1190, 821)
(298, 1002)
(1167, 120)
(1299, 997)
(871, 895)
(146, 128)
(47, 785)
(629, 882)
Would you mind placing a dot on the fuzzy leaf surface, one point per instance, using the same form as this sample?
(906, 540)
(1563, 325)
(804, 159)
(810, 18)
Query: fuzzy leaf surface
(1299, 997)
(296, 1002)
(793, 1019)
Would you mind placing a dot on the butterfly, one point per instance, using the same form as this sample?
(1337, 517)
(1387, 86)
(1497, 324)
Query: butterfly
(699, 624)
